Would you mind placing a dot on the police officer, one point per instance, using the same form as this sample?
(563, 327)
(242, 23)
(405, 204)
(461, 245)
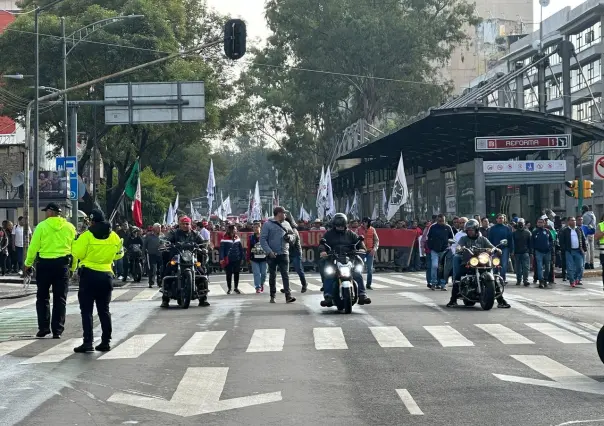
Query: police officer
(96, 250)
(51, 245)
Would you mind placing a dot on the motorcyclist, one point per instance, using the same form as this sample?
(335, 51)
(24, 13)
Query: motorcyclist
(473, 238)
(184, 234)
(341, 239)
(134, 237)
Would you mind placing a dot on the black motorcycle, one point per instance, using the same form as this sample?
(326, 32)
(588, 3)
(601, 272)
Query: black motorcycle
(482, 282)
(340, 267)
(187, 277)
(135, 257)
(600, 344)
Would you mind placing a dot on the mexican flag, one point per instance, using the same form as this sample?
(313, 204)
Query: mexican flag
(133, 191)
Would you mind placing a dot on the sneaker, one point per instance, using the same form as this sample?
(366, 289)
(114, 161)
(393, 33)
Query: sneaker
(503, 305)
(364, 300)
(527, 284)
(103, 347)
(237, 291)
(229, 291)
(282, 290)
(517, 282)
(120, 277)
(262, 289)
(452, 303)
(56, 336)
(304, 287)
(368, 287)
(42, 333)
(164, 304)
(204, 303)
(272, 299)
(84, 348)
(573, 284)
(257, 291)
(443, 288)
(290, 299)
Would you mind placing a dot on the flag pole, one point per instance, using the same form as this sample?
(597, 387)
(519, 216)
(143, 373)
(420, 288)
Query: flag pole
(121, 199)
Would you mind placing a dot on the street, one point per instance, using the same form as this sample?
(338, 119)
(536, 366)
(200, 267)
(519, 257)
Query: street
(404, 359)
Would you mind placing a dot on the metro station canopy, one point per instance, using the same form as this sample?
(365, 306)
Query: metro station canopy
(445, 137)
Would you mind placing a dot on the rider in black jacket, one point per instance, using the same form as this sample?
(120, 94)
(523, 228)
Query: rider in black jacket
(184, 234)
(341, 240)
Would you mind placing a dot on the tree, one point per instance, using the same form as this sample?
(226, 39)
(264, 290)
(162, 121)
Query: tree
(167, 26)
(157, 194)
(379, 61)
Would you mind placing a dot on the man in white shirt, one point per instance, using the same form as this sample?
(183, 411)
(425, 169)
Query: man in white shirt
(18, 242)
(573, 243)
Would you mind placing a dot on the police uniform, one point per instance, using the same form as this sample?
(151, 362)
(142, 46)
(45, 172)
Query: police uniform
(96, 250)
(50, 246)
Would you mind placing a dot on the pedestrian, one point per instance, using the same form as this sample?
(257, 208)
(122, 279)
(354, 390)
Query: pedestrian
(574, 244)
(151, 244)
(11, 262)
(257, 257)
(96, 250)
(438, 238)
(51, 244)
(415, 262)
(522, 249)
(275, 238)
(18, 242)
(231, 255)
(3, 251)
(484, 228)
(590, 222)
(542, 244)
(372, 243)
(497, 233)
(295, 253)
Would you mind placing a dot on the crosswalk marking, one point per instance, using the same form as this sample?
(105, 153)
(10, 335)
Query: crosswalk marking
(11, 346)
(202, 343)
(393, 282)
(22, 303)
(409, 402)
(329, 338)
(216, 290)
(557, 333)
(117, 293)
(146, 294)
(313, 287)
(390, 337)
(592, 327)
(246, 288)
(267, 340)
(56, 353)
(504, 334)
(72, 298)
(133, 347)
(378, 286)
(447, 336)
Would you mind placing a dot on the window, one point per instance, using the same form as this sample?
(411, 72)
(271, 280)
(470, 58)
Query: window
(587, 38)
(552, 89)
(530, 97)
(587, 110)
(554, 59)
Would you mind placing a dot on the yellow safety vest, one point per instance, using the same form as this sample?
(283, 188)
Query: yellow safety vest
(601, 226)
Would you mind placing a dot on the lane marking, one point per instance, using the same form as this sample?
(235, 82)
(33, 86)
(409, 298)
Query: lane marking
(146, 294)
(117, 293)
(267, 340)
(447, 336)
(56, 353)
(557, 333)
(246, 288)
(329, 338)
(133, 347)
(72, 299)
(201, 343)
(21, 304)
(378, 286)
(216, 290)
(409, 402)
(424, 300)
(393, 282)
(8, 347)
(390, 337)
(504, 334)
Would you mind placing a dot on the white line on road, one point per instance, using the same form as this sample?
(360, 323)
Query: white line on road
(216, 290)
(246, 288)
(117, 293)
(390, 337)
(409, 402)
(391, 281)
(504, 334)
(146, 294)
(133, 347)
(56, 353)
(22, 304)
(267, 340)
(329, 338)
(72, 299)
(593, 327)
(378, 286)
(8, 347)
(201, 343)
(447, 336)
(553, 369)
(557, 333)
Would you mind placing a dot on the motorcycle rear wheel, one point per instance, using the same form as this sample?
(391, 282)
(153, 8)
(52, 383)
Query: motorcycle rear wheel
(600, 344)
(187, 290)
(487, 296)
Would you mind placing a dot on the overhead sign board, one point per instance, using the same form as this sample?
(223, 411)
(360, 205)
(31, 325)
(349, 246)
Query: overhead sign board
(598, 173)
(155, 103)
(523, 143)
(70, 165)
(535, 166)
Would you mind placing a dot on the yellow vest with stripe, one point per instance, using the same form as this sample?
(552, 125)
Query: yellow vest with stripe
(601, 241)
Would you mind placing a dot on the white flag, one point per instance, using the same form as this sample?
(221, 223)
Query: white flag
(375, 214)
(354, 207)
(165, 216)
(305, 215)
(256, 205)
(330, 207)
(319, 190)
(210, 187)
(301, 212)
(347, 209)
(384, 202)
(175, 209)
(170, 215)
(322, 193)
(400, 192)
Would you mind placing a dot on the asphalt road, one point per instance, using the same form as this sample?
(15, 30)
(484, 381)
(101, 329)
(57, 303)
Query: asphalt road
(404, 359)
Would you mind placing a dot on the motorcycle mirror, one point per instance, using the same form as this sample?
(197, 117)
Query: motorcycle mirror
(451, 241)
(503, 243)
(323, 241)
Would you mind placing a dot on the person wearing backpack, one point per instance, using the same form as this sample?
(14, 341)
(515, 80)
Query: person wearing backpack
(231, 255)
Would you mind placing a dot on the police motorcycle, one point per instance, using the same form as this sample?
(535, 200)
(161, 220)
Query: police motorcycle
(340, 267)
(188, 279)
(482, 282)
(135, 257)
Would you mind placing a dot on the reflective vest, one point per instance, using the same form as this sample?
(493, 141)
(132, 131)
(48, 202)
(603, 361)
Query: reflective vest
(601, 227)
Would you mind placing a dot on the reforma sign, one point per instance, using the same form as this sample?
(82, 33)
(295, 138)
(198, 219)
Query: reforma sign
(522, 143)
(534, 166)
(155, 103)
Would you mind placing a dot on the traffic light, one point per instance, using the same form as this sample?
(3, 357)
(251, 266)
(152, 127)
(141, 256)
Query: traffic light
(234, 38)
(587, 191)
(573, 188)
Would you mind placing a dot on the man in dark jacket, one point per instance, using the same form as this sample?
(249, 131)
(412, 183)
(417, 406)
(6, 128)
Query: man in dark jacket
(133, 237)
(574, 244)
(498, 232)
(522, 250)
(542, 245)
(438, 241)
(341, 240)
(151, 244)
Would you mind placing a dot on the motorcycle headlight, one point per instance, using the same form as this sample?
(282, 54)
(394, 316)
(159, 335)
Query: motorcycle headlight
(496, 261)
(345, 271)
(329, 270)
(474, 261)
(484, 258)
(173, 262)
(358, 269)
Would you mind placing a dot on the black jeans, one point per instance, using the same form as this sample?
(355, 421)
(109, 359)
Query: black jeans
(232, 271)
(95, 288)
(155, 264)
(281, 261)
(52, 273)
(4, 262)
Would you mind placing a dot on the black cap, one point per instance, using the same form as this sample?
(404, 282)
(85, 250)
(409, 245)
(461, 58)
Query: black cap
(97, 215)
(52, 207)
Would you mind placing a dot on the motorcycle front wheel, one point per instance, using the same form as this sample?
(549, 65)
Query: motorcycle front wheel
(347, 300)
(600, 344)
(487, 297)
(186, 293)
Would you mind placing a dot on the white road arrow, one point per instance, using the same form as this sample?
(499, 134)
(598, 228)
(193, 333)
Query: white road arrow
(197, 393)
(562, 376)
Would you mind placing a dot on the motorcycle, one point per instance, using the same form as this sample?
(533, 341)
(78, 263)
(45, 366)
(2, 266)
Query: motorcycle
(340, 267)
(189, 279)
(481, 284)
(135, 256)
